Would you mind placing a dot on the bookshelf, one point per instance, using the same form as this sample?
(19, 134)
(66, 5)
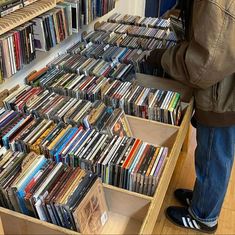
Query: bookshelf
(25, 14)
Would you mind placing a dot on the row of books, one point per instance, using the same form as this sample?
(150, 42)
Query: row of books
(53, 192)
(17, 48)
(135, 100)
(52, 27)
(121, 161)
(9, 6)
(95, 67)
(149, 22)
(44, 32)
(86, 11)
(49, 105)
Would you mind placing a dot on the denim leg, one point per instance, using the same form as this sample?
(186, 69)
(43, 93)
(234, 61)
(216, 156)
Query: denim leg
(214, 157)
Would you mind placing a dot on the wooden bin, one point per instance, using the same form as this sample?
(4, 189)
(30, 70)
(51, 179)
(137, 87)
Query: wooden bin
(129, 213)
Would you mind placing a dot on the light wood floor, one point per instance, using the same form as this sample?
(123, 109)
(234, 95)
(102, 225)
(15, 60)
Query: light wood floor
(184, 177)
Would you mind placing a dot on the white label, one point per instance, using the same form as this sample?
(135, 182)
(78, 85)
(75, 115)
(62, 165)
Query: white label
(31, 43)
(89, 44)
(139, 52)
(106, 47)
(104, 218)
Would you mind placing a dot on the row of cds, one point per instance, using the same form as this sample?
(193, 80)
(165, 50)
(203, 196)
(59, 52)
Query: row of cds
(153, 104)
(112, 53)
(48, 105)
(140, 21)
(132, 37)
(121, 161)
(140, 31)
(124, 40)
(34, 185)
(109, 53)
(97, 67)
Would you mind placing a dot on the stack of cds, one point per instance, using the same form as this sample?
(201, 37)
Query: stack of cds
(124, 162)
(34, 185)
(9, 6)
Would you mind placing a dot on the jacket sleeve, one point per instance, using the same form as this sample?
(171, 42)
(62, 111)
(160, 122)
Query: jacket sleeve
(210, 54)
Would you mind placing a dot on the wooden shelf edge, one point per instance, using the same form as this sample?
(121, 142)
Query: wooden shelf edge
(154, 122)
(148, 225)
(27, 219)
(138, 195)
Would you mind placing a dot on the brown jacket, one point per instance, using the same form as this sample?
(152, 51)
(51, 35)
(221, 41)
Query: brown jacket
(207, 61)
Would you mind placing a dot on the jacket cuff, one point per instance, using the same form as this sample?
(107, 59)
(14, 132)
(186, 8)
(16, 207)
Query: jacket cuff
(155, 57)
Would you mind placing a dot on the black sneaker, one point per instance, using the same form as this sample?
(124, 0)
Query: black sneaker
(182, 218)
(184, 196)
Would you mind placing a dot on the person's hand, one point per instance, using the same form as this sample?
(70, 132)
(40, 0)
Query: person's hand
(154, 57)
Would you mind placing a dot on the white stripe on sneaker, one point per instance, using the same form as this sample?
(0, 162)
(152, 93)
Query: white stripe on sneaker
(188, 201)
(190, 223)
(184, 222)
(195, 224)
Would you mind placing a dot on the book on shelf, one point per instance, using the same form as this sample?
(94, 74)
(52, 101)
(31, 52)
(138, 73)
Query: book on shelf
(52, 27)
(17, 49)
(86, 11)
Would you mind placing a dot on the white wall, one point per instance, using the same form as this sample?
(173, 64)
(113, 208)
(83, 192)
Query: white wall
(133, 7)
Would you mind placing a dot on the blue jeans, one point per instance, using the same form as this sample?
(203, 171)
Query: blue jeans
(214, 157)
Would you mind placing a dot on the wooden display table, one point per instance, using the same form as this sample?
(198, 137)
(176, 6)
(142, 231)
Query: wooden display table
(129, 213)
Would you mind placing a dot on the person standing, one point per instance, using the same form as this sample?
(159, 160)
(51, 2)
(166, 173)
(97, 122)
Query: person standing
(205, 61)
